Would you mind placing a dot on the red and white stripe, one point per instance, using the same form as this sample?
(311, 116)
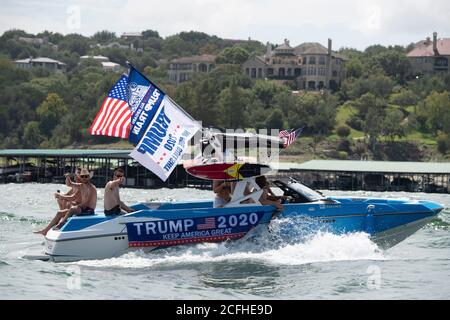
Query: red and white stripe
(113, 120)
(210, 223)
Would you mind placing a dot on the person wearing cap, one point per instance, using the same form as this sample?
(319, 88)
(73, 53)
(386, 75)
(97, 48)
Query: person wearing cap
(65, 202)
(112, 203)
(88, 194)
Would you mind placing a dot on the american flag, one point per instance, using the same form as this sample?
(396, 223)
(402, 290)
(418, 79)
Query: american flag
(210, 223)
(291, 136)
(284, 133)
(114, 116)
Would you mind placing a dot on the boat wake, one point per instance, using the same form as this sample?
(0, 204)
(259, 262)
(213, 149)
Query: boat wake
(271, 246)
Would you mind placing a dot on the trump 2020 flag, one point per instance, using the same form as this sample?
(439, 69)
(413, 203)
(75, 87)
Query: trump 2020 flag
(145, 100)
(113, 119)
(165, 139)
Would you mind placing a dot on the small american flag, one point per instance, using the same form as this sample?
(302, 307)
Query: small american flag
(210, 223)
(284, 133)
(291, 137)
(114, 116)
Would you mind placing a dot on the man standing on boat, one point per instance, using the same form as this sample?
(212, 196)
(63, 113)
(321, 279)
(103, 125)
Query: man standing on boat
(88, 194)
(112, 203)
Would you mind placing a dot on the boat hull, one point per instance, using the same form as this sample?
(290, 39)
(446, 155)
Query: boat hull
(387, 222)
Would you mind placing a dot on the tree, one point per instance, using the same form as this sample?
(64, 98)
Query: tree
(354, 68)
(266, 91)
(392, 125)
(394, 63)
(404, 98)
(206, 107)
(50, 111)
(343, 132)
(437, 110)
(32, 136)
(75, 43)
(104, 36)
(373, 124)
(275, 120)
(150, 34)
(232, 55)
(233, 101)
(443, 143)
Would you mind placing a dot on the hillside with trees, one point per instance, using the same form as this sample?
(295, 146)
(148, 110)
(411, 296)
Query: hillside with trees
(378, 113)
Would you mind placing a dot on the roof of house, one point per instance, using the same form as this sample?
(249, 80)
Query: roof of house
(39, 59)
(109, 64)
(315, 48)
(425, 48)
(95, 57)
(209, 58)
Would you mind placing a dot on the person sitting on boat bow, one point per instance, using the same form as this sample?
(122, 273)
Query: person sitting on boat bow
(71, 198)
(88, 194)
(112, 203)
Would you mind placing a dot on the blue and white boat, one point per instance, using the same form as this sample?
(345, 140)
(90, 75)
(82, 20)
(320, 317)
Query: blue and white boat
(159, 225)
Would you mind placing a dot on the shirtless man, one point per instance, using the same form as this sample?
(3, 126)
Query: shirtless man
(223, 192)
(112, 203)
(88, 194)
(64, 205)
(268, 198)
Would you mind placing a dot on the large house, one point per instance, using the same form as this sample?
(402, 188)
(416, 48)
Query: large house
(430, 57)
(312, 65)
(183, 68)
(41, 62)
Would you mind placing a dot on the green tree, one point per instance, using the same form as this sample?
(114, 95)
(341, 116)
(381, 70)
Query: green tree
(437, 109)
(104, 37)
(373, 124)
(50, 112)
(32, 136)
(275, 120)
(354, 68)
(232, 55)
(393, 125)
(75, 43)
(266, 91)
(404, 98)
(233, 101)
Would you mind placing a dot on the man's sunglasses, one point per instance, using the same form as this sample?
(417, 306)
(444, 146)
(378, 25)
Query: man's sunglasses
(85, 176)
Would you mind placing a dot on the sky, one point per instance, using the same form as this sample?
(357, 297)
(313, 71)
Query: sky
(349, 23)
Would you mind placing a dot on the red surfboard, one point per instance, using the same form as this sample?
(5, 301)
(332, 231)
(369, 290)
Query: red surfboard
(228, 171)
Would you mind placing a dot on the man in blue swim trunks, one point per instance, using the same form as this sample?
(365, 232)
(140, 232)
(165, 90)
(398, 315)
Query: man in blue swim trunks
(88, 194)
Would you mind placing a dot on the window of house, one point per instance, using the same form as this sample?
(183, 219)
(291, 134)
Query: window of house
(259, 73)
(253, 73)
(247, 71)
(297, 71)
(335, 74)
(270, 71)
(322, 60)
(312, 60)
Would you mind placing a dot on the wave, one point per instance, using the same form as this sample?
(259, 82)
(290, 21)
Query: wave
(6, 216)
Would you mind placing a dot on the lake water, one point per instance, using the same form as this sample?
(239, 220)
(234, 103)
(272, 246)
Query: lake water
(323, 266)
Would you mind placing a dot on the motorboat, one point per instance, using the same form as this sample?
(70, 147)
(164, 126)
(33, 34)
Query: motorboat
(159, 225)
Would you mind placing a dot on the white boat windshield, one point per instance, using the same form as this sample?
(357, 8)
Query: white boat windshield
(305, 191)
(299, 192)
